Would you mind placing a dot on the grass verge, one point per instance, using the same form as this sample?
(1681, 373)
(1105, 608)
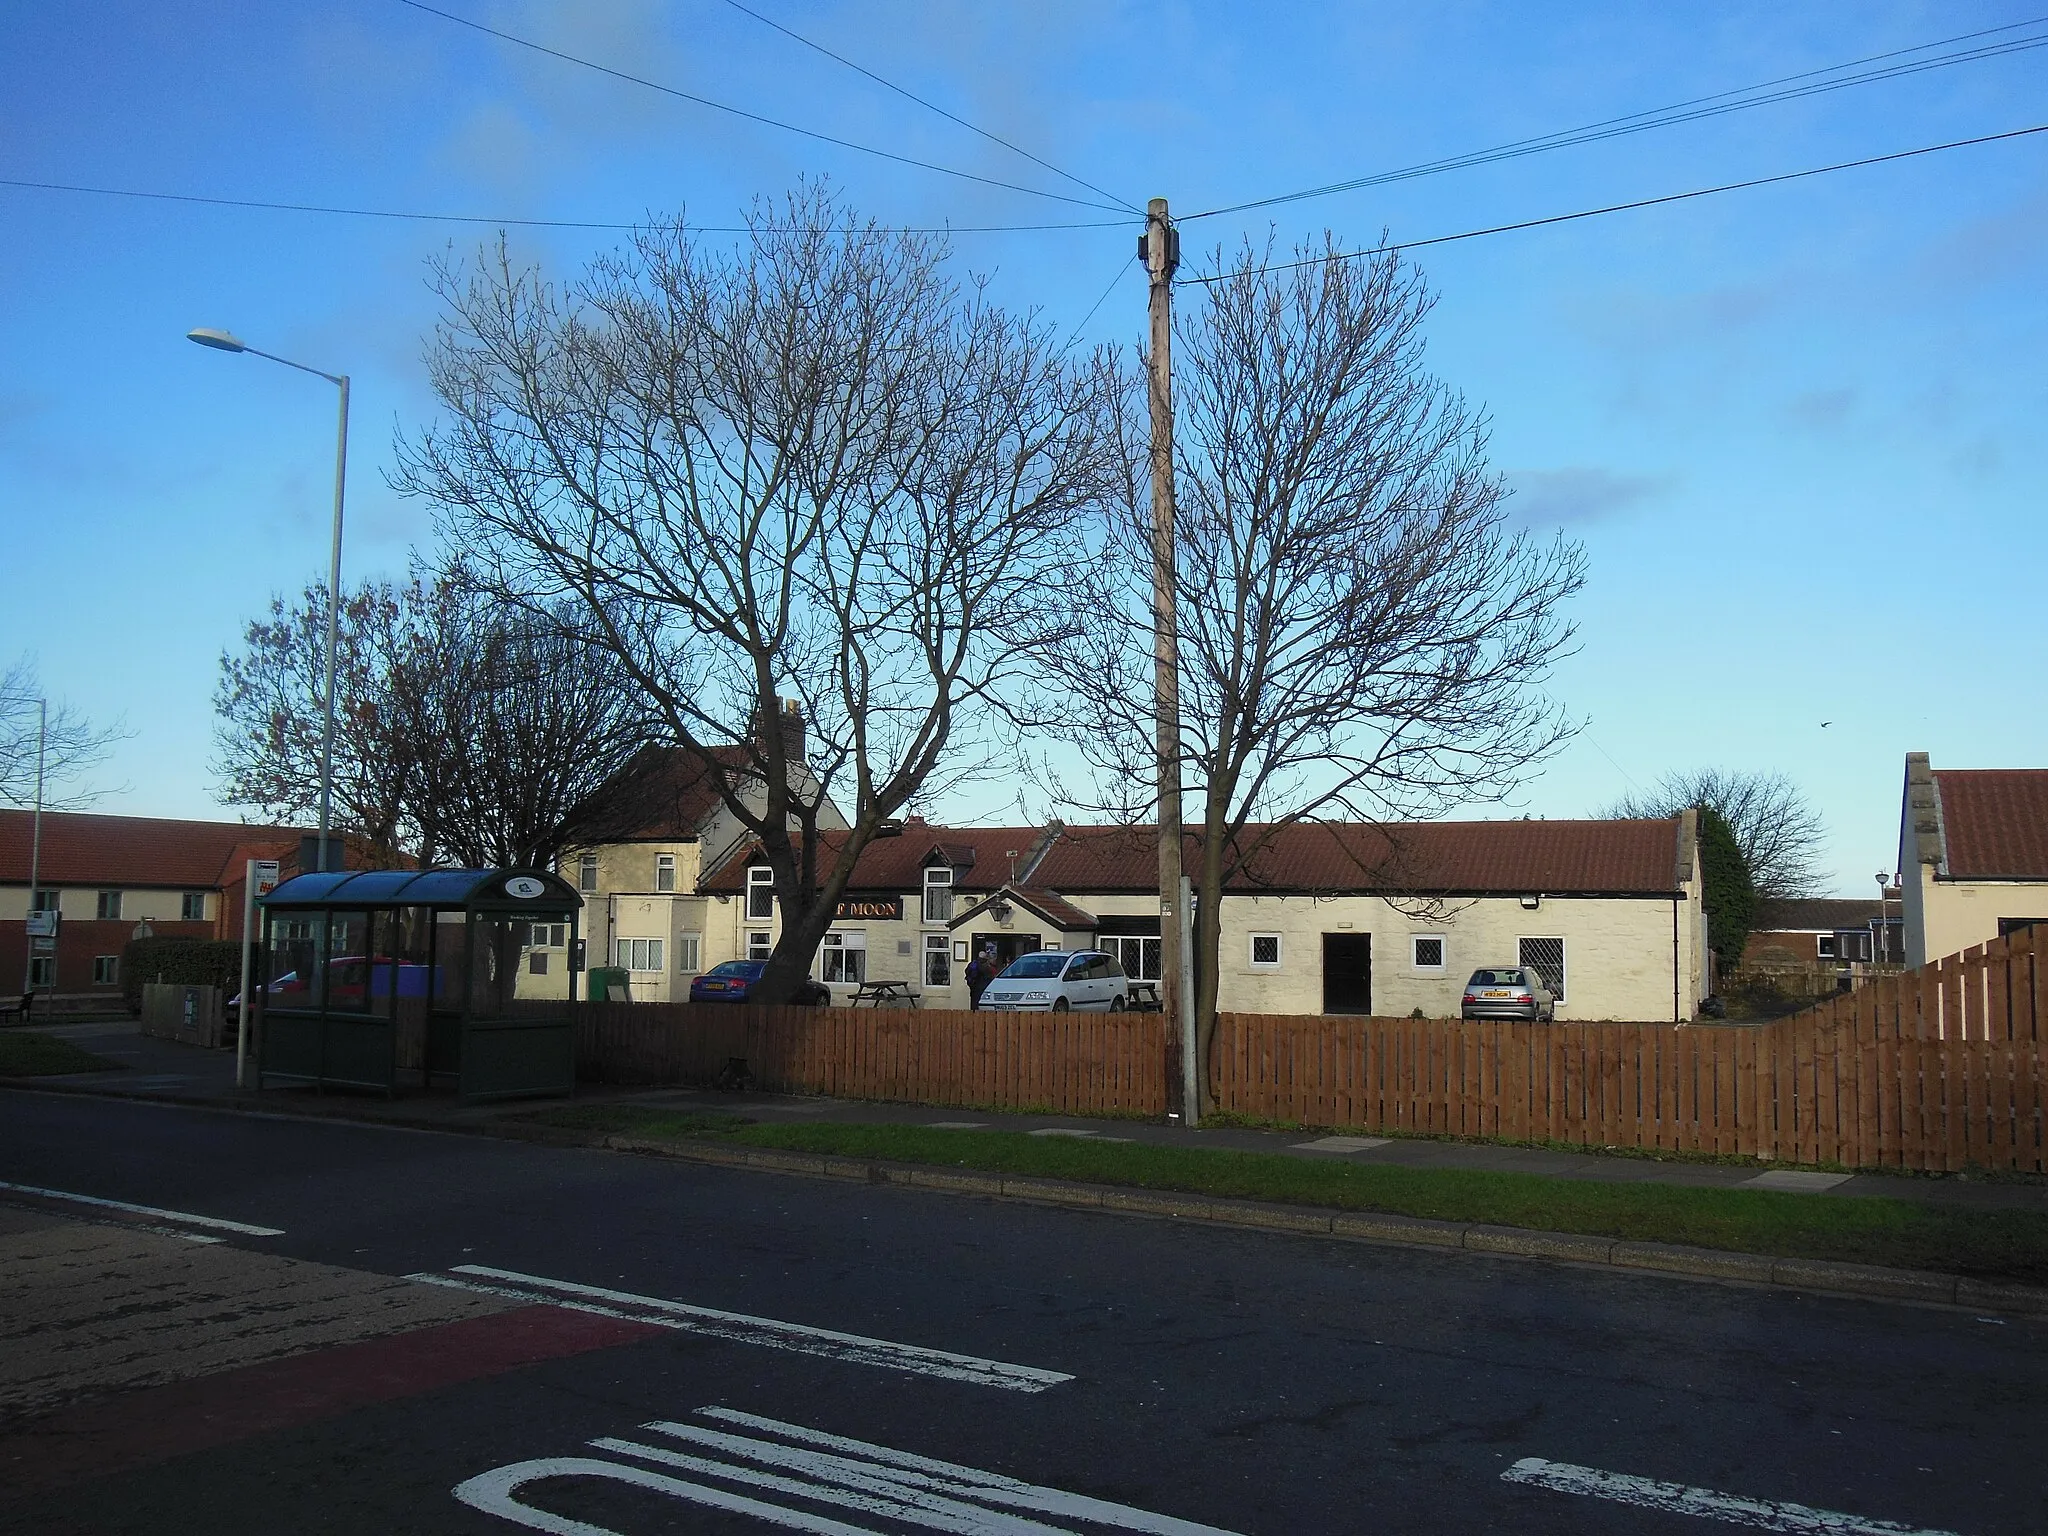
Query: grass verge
(2008, 1245)
(23, 1053)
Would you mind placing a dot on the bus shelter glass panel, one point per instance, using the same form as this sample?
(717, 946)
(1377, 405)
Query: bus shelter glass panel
(448, 996)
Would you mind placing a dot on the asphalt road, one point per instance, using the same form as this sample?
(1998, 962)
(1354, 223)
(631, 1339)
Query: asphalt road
(1009, 1369)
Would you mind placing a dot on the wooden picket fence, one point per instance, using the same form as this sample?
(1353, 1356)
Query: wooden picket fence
(1944, 1068)
(1078, 1063)
(1937, 1069)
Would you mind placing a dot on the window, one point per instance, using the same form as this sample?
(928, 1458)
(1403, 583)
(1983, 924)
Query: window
(537, 963)
(760, 894)
(687, 957)
(193, 908)
(664, 871)
(586, 872)
(1137, 954)
(1824, 945)
(1429, 952)
(938, 894)
(547, 936)
(759, 946)
(1546, 958)
(106, 970)
(844, 958)
(42, 971)
(639, 955)
(1265, 951)
(44, 901)
(938, 960)
(110, 906)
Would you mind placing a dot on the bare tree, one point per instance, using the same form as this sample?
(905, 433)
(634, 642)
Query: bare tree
(464, 730)
(1775, 825)
(50, 740)
(809, 469)
(1361, 636)
(519, 732)
(268, 706)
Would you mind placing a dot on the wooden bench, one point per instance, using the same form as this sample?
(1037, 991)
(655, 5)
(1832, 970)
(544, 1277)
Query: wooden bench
(16, 1010)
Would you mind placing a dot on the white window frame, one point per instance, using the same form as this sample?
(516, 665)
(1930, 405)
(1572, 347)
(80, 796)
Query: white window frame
(664, 872)
(42, 972)
(645, 957)
(106, 970)
(760, 893)
(586, 872)
(937, 897)
(836, 965)
(689, 953)
(1824, 946)
(760, 945)
(1415, 961)
(108, 907)
(187, 903)
(547, 936)
(1564, 960)
(937, 946)
(1251, 951)
(1127, 948)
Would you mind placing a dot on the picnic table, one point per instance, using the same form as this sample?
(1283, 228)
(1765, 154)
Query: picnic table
(1144, 995)
(884, 994)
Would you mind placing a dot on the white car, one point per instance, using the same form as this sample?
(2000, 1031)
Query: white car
(1087, 980)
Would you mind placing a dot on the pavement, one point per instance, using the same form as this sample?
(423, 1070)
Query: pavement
(255, 1323)
(163, 1069)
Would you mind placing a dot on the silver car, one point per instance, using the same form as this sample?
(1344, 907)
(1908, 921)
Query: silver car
(1508, 992)
(1086, 980)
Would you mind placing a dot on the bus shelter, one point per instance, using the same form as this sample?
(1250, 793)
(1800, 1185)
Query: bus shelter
(438, 978)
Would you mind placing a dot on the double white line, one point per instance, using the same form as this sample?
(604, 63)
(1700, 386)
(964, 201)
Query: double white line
(823, 1471)
(773, 1333)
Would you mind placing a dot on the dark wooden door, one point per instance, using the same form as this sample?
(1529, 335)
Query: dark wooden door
(1347, 973)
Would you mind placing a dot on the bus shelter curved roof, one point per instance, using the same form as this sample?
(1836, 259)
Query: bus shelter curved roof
(471, 890)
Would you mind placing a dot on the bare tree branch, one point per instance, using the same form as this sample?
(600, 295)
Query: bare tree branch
(69, 745)
(1776, 827)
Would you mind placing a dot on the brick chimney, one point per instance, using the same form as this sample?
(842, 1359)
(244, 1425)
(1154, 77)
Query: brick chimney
(790, 720)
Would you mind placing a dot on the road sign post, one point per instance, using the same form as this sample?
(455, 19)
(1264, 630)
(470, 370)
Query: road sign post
(258, 876)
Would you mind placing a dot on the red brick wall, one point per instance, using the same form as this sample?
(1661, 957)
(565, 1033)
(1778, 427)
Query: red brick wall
(78, 943)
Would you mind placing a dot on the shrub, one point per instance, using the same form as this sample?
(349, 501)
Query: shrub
(185, 962)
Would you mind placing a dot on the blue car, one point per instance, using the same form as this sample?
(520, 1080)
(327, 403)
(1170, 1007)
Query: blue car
(733, 982)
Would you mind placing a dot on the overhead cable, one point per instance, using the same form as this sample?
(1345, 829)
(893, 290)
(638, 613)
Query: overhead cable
(1592, 213)
(1716, 105)
(512, 223)
(752, 117)
(931, 106)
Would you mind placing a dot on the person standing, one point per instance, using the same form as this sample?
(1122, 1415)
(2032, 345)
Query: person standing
(980, 973)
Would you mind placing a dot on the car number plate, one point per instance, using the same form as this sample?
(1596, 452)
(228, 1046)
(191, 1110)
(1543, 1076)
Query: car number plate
(1493, 993)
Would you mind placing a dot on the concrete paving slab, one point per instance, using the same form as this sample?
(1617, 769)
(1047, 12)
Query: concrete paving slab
(1805, 1181)
(1341, 1144)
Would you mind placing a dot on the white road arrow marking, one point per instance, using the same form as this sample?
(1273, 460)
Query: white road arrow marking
(873, 1481)
(1647, 1493)
(773, 1333)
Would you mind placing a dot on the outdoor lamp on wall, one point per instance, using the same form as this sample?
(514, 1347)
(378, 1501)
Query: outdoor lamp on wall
(1531, 902)
(1000, 911)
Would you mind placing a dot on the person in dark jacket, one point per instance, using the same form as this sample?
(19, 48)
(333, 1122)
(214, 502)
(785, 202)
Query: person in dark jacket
(980, 972)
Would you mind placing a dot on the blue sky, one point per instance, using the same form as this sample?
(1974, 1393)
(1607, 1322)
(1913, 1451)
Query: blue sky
(1798, 428)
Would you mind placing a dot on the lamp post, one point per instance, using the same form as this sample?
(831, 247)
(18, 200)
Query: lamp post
(223, 341)
(1884, 884)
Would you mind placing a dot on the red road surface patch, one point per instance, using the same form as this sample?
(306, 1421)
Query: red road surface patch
(93, 1440)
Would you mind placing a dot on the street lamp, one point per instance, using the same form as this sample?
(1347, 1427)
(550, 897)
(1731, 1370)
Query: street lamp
(226, 341)
(1884, 885)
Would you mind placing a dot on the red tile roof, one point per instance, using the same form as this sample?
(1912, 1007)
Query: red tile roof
(1994, 822)
(897, 864)
(1442, 857)
(664, 793)
(1054, 909)
(86, 849)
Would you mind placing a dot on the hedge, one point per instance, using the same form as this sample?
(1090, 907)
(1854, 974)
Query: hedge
(187, 962)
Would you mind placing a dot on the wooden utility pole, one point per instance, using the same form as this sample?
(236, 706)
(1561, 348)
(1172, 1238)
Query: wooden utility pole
(1161, 251)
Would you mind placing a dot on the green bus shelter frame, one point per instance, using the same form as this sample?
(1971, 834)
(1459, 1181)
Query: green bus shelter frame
(359, 970)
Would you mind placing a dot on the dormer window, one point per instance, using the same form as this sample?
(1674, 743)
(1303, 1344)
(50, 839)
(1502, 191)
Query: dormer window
(760, 894)
(938, 894)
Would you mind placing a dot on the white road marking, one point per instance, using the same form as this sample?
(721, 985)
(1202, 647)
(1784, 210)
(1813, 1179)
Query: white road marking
(491, 1492)
(866, 1480)
(1341, 1144)
(1805, 1180)
(185, 1217)
(1647, 1493)
(958, 1125)
(852, 1348)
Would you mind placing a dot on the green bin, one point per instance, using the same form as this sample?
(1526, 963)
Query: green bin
(610, 984)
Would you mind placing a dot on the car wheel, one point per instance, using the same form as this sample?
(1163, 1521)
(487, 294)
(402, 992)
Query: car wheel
(1117, 1003)
(1060, 1005)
